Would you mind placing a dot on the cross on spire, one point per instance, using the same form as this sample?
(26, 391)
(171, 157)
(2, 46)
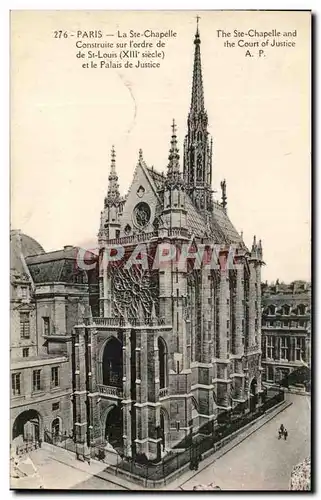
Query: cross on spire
(197, 19)
(113, 186)
(173, 127)
(173, 172)
(113, 153)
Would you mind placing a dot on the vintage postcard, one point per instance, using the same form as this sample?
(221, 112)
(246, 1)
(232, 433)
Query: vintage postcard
(160, 250)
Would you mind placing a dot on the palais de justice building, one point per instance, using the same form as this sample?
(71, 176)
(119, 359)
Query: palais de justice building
(173, 345)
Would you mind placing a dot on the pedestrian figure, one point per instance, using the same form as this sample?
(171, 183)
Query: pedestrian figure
(285, 434)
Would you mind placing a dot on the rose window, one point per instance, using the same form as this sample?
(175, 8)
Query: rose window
(142, 214)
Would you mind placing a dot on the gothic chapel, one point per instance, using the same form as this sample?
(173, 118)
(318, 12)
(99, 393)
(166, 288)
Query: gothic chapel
(173, 345)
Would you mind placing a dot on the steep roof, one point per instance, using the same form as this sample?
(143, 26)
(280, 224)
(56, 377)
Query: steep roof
(221, 227)
(57, 266)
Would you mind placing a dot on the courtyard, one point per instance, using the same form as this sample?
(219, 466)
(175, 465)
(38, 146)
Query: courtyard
(259, 462)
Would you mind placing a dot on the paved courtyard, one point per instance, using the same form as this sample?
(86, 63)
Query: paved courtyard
(262, 462)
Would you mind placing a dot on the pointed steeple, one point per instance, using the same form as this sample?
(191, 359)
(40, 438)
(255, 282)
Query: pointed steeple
(113, 195)
(254, 246)
(260, 249)
(173, 171)
(197, 145)
(197, 103)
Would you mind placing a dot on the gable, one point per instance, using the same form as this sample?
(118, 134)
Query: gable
(142, 193)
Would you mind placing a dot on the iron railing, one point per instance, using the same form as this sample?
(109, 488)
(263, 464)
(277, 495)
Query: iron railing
(208, 437)
(110, 390)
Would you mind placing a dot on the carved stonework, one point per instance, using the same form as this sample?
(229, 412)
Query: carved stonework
(142, 215)
(140, 191)
(135, 291)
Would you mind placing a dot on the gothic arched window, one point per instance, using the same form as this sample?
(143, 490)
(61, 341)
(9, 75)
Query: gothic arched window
(163, 362)
(113, 363)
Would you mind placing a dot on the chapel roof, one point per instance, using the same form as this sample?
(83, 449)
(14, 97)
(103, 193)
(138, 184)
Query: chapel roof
(221, 227)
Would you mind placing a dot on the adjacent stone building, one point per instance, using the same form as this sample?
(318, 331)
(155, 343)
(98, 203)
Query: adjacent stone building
(286, 329)
(178, 341)
(49, 295)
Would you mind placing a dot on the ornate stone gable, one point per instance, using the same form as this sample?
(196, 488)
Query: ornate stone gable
(142, 200)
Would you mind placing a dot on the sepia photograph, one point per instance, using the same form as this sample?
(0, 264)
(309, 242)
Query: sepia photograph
(160, 250)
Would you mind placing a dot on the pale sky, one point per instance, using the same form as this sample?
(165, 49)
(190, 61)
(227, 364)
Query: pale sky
(65, 119)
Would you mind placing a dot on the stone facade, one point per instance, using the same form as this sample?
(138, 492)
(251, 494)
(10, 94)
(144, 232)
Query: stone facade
(177, 342)
(48, 298)
(286, 329)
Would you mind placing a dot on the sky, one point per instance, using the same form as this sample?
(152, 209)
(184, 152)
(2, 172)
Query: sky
(65, 119)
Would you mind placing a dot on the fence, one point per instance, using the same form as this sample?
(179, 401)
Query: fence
(27, 447)
(62, 440)
(207, 438)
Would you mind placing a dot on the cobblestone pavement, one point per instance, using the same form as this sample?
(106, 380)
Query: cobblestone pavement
(262, 461)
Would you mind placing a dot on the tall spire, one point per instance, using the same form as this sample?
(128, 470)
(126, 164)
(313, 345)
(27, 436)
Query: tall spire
(113, 194)
(197, 145)
(173, 172)
(197, 103)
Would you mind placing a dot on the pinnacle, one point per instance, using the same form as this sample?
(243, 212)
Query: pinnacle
(113, 187)
(173, 171)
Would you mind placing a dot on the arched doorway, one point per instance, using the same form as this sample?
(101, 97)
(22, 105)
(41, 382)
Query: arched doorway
(163, 361)
(253, 394)
(26, 426)
(55, 429)
(114, 428)
(113, 363)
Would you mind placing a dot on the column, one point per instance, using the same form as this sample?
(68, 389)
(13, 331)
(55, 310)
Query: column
(206, 316)
(224, 313)
(93, 395)
(126, 402)
(80, 393)
(165, 285)
(107, 291)
(223, 387)
(239, 311)
(238, 380)
(252, 299)
(259, 305)
(141, 392)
